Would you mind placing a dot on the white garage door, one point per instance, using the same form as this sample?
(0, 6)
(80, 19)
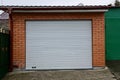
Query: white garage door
(58, 44)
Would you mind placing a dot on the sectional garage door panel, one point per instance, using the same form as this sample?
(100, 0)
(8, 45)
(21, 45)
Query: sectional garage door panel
(58, 45)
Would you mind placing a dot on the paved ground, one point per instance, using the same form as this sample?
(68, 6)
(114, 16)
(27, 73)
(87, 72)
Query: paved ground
(102, 74)
(114, 68)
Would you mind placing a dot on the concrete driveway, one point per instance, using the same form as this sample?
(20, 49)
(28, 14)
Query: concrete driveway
(114, 67)
(102, 74)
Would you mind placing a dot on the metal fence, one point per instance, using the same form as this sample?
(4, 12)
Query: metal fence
(4, 52)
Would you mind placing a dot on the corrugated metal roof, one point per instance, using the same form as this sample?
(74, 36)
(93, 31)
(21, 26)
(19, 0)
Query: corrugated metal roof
(4, 15)
(54, 7)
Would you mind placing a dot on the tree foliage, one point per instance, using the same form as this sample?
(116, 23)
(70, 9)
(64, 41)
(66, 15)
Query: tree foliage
(117, 3)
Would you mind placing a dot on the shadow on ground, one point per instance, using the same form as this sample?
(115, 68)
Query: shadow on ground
(114, 67)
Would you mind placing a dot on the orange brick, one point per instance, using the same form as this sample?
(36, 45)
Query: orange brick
(19, 33)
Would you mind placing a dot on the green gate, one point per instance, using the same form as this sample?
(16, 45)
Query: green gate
(112, 30)
(4, 52)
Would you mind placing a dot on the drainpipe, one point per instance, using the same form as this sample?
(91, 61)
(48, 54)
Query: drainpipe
(11, 38)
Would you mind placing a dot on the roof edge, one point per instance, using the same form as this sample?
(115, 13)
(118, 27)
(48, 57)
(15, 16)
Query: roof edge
(52, 7)
(56, 11)
(115, 7)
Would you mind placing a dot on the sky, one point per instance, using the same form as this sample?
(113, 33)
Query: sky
(55, 2)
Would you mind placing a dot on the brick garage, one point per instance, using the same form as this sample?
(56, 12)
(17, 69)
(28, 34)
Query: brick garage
(19, 15)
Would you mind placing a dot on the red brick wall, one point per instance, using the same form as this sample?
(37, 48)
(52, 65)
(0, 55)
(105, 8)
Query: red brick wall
(19, 31)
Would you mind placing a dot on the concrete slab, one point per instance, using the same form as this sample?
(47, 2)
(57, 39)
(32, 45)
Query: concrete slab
(102, 74)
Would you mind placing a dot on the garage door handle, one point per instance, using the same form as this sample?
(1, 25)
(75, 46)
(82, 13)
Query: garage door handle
(34, 67)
